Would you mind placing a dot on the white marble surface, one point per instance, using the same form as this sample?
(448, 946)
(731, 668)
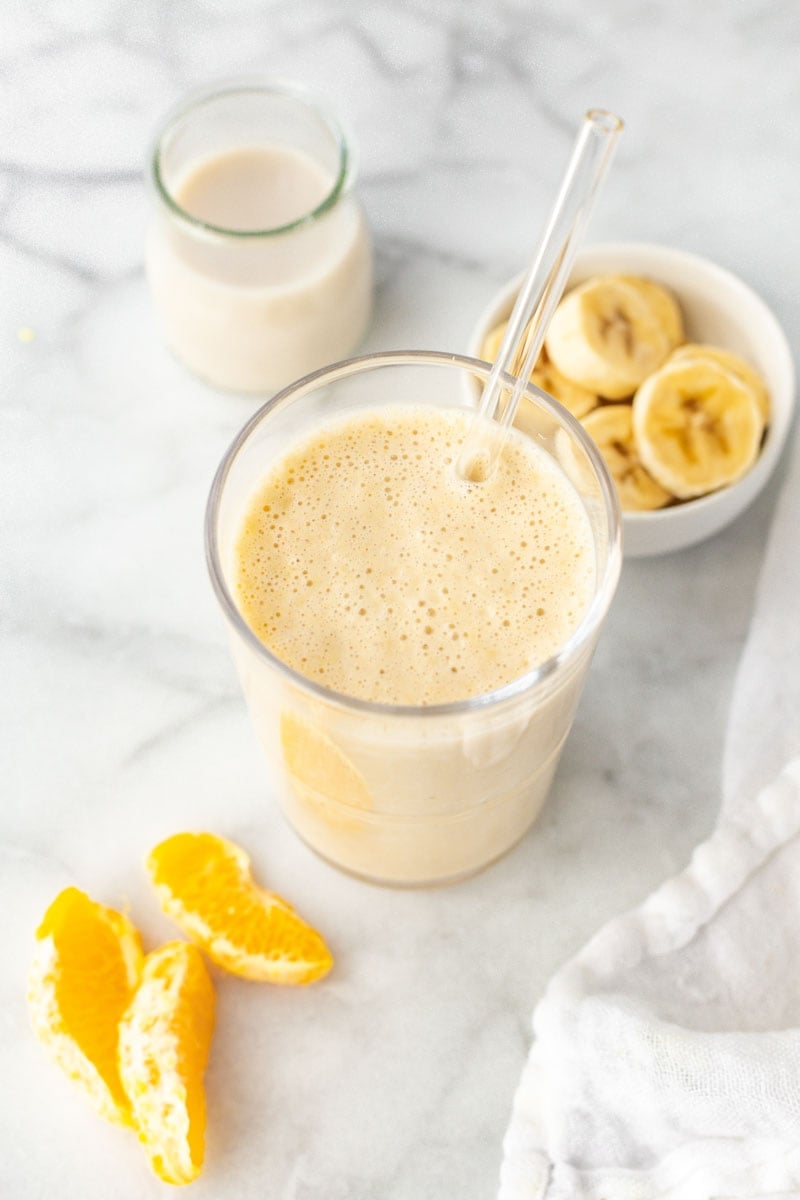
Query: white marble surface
(121, 716)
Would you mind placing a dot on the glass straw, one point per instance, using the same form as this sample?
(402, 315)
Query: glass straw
(539, 294)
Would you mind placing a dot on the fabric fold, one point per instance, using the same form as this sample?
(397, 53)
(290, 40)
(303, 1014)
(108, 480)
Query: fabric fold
(666, 1059)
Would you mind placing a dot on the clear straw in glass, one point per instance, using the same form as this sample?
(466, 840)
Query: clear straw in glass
(540, 293)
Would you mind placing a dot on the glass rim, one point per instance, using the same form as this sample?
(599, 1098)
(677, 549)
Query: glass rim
(343, 139)
(564, 657)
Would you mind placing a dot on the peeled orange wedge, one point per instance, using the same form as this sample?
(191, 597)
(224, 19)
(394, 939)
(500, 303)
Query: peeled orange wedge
(164, 1039)
(315, 762)
(87, 964)
(204, 884)
(321, 776)
(134, 1032)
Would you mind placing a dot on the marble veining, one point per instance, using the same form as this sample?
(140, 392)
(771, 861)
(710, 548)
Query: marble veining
(121, 717)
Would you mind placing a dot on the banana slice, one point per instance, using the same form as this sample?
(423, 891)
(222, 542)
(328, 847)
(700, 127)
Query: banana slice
(697, 427)
(607, 336)
(577, 399)
(663, 304)
(611, 428)
(733, 363)
(492, 343)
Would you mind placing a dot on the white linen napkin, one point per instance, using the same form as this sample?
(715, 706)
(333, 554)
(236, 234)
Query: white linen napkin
(666, 1060)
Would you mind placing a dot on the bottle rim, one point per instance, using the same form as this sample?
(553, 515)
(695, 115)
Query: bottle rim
(191, 104)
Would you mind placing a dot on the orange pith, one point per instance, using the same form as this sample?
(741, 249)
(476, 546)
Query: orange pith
(204, 884)
(87, 963)
(164, 1040)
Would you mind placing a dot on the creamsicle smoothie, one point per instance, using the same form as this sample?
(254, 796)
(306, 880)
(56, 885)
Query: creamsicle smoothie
(412, 646)
(368, 565)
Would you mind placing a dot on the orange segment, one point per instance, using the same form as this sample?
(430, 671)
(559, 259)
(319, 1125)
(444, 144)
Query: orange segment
(87, 963)
(164, 1039)
(317, 762)
(204, 884)
(321, 775)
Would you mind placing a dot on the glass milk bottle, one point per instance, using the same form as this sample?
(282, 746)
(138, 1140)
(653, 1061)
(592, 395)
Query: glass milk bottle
(258, 255)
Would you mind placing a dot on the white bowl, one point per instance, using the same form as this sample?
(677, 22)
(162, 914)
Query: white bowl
(719, 309)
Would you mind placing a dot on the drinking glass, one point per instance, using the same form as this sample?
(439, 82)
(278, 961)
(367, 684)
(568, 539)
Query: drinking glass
(402, 794)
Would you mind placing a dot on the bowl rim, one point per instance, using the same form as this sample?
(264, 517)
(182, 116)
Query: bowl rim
(782, 412)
